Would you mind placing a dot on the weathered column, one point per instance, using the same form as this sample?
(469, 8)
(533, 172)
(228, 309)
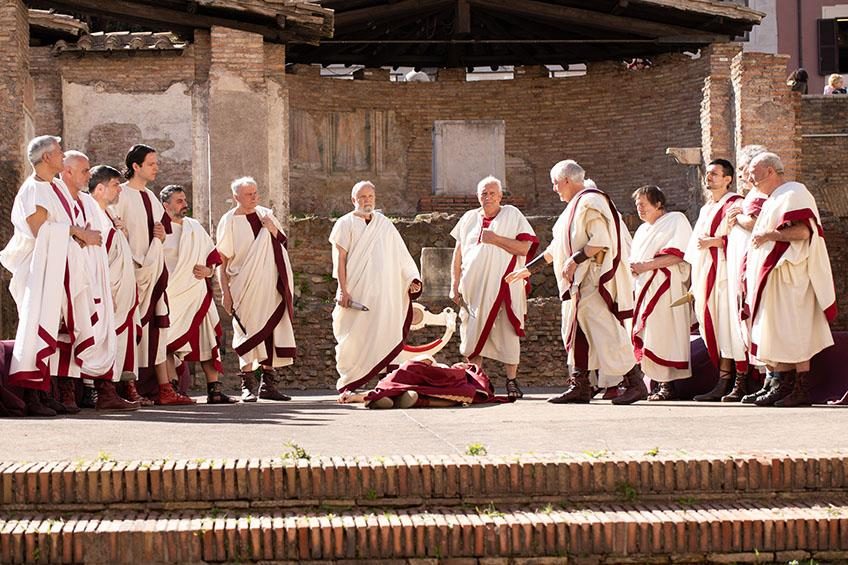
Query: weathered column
(766, 109)
(717, 106)
(240, 121)
(16, 125)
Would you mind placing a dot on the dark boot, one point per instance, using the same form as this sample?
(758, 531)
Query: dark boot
(249, 386)
(663, 393)
(47, 399)
(67, 394)
(130, 393)
(578, 390)
(634, 387)
(89, 397)
(215, 394)
(268, 388)
(753, 397)
(740, 389)
(108, 399)
(720, 389)
(781, 387)
(800, 395)
(34, 406)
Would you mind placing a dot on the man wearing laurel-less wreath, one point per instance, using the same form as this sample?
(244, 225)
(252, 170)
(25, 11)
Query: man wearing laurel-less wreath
(491, 242)
(256, 283)
(660, 277)
(374, 269)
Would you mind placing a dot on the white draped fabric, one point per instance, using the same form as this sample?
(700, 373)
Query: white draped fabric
(124, 295)
(738, 243)
(139, 210)
(790, 296)
(61, 307)
(379, 272)
(660, 331)
(260, 283)
(195, 325)
(599, 302)
(713, 309)
(499, 308)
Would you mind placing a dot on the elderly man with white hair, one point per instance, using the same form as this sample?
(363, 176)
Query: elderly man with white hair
(590, 251)
(256, 281)
(491, 242)
(790, 294)
(378, 280)
(58, 317)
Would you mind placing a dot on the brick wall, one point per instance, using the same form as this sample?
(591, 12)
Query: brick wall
(823, 122)
(14, 76)
(615, 122)
(145, 75)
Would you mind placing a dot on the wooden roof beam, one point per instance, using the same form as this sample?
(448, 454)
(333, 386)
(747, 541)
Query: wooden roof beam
(386, 12)
(141, 12)
(588, 18)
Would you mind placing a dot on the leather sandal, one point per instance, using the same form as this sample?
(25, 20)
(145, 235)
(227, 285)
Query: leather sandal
(513, 391)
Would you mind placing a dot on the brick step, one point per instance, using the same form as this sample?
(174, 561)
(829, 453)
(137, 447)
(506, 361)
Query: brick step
(686, 532)
(410, 480)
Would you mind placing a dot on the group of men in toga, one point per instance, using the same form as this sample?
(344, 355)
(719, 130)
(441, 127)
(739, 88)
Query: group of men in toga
(113, 286)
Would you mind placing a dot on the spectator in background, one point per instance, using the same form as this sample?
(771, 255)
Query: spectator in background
(797, 81)
(835, 85)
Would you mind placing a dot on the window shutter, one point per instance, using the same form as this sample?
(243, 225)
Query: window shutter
(828, 47)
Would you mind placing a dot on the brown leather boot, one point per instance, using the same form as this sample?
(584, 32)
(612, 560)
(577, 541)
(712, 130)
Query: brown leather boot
(740, 389)
(131, 393)
(634, 387)
(249, 386)
(578, 390)
(268, 389)
(67, 394)
(170, 397)
(34, 406)
(781, 386)
(108, 399)
(47, 399)
(800, 395)
(720, 389)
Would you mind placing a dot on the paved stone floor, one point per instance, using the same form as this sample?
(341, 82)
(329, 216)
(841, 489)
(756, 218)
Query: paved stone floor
(320, 426)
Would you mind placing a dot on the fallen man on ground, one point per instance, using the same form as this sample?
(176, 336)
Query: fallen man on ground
(423, 383)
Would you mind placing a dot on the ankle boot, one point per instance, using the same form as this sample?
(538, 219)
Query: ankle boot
(47, 399)
(634, 387)
(578, 390)
(89, 397)
(718, 391)
(740, 387)
(249, 386)
(215, 394)
(754, 396)
(130, 392)
(170, 397)
(663, 393)
(67, 394)
(108, 399)
(268, 389)
(800, 395)
(34, 406)
(781, 386)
